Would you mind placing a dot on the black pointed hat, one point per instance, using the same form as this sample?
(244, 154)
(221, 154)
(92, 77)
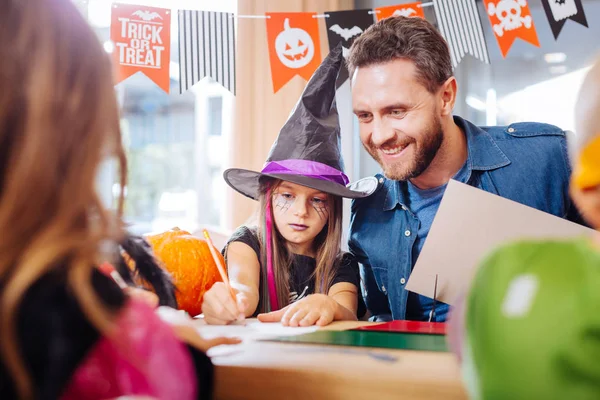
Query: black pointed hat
(308, 148)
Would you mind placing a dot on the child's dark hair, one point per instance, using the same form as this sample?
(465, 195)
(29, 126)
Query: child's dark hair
(147, 269)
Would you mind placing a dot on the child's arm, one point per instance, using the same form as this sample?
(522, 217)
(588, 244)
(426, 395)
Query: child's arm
(244, 276)
(345, 295)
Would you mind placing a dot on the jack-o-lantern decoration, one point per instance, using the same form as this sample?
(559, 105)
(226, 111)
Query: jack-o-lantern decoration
(189, 261)
(294, 46)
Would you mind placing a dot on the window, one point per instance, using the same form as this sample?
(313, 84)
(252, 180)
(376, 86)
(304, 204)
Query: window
(175, 142)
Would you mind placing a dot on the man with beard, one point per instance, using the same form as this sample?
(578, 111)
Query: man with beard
(403, 93)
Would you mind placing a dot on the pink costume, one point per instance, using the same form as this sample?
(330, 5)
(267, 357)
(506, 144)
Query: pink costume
(144, 359)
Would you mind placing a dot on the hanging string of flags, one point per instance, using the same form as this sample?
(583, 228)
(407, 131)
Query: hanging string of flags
(461, 27)
(142, 40)
(206, 48)
(207, 39)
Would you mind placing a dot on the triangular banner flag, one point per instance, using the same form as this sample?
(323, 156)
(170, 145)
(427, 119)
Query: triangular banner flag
(559, 11)
(511, 20)
(142, 39)
(206, 48)
(344, 27)
(294, 46)
(405, 10)
(461, 27)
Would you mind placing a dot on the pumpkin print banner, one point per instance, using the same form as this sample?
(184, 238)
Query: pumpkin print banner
(294, 47)
(345, 27)
(559, 11)
(511, 19)
(142, 39)
(405, 10)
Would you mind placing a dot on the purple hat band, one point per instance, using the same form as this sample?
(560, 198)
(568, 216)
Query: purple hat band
(310, 169)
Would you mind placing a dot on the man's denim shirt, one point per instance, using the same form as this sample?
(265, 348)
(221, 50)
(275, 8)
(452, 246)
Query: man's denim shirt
(525, 162)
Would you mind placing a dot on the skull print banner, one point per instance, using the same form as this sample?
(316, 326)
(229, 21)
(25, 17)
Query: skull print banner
(405, 10)
(294, 47)
(511, 19)
(559, 11)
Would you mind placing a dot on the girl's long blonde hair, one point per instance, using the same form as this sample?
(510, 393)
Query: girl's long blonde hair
(58, 120)
(327, 249)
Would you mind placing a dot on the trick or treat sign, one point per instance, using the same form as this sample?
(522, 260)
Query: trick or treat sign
(294, 47)
(142, 42)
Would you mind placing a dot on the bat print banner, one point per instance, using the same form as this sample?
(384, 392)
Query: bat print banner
(142, 40)
(345, 27)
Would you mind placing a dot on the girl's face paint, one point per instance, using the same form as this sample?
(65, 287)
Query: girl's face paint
(300, 214)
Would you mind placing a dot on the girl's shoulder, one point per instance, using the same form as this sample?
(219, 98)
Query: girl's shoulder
(247, 235)
(50, 317)
(244, 232)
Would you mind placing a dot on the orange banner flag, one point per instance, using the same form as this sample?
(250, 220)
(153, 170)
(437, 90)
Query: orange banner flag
(142, 39)
(405, 10)
(294, 46)
(511, 19)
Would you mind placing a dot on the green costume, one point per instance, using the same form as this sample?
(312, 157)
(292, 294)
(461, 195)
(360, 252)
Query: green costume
(533, 323)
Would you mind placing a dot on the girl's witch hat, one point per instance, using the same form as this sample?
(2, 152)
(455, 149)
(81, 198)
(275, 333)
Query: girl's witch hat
(308, 148)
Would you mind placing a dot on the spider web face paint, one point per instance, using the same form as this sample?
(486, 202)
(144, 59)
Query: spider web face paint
(321, 207)
(282, 201)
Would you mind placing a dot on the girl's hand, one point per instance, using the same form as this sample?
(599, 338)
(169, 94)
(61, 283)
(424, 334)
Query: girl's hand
(189, 334)
(184, 329)
(314, 309)
(220, 309)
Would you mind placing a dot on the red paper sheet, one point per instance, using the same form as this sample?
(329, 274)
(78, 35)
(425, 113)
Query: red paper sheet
(433, 328)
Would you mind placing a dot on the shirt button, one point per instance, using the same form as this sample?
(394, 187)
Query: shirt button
(404, 208)
(383, 288)
(380, 180)
(511, 130)
(403, 281)
(407, 233)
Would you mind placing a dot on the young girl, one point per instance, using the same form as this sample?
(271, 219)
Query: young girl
(290, 267)
(67, 331)
(529, 327)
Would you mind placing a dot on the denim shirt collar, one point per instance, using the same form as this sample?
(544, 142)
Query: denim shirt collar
(483, 155)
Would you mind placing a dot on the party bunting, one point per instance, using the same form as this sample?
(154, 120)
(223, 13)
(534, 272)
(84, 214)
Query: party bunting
(206, 48)
(511, 19)
(461, 27)
(344, 27)
(405, 10)
(294, 46)
(559, 11)
(142, 40)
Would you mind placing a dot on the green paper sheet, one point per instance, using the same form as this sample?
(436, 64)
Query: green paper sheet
(387, 340)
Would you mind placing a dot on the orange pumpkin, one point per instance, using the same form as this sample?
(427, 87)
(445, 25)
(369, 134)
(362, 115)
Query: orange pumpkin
(189, 261)
(158, 239)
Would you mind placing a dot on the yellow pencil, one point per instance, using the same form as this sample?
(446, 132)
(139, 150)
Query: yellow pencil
(220, 266)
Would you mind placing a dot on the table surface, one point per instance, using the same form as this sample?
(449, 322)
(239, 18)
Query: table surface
(275, 370)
